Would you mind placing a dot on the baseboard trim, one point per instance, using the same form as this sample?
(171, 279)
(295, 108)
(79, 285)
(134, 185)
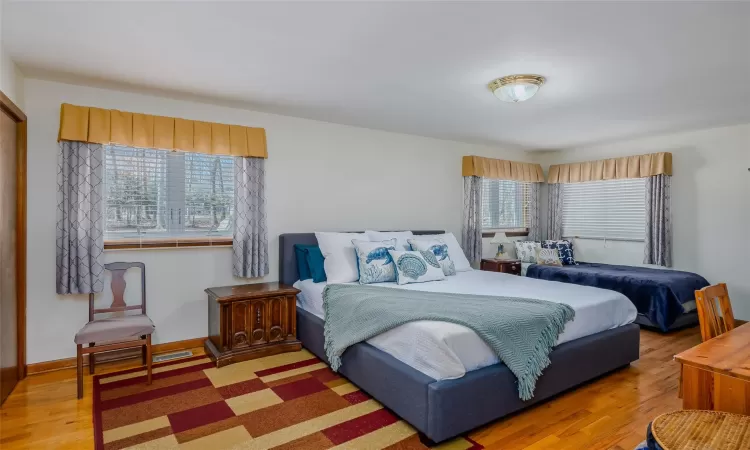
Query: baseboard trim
(116, 355)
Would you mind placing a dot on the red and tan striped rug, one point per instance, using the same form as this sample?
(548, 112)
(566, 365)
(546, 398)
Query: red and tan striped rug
(286, 401)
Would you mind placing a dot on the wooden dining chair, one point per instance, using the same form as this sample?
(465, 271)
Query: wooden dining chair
(118, 332)
(714, 315)
(714, 311)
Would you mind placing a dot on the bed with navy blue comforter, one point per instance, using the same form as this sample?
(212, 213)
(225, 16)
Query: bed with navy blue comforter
(658, 294)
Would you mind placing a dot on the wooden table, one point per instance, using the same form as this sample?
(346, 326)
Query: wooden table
(716, 373)
(251, 321)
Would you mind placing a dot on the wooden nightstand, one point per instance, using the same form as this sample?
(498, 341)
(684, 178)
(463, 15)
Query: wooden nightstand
(511, 266)
(251, 321)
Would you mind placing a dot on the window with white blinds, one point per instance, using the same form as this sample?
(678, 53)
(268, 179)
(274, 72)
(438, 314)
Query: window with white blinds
(505, 204)
(159, 194)
(612, 209)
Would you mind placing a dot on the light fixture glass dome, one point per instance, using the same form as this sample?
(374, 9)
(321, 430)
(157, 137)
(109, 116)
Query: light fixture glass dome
(516, 88)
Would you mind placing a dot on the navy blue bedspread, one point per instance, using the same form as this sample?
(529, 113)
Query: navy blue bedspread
(656, 293)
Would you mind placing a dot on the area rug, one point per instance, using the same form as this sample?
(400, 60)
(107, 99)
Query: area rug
(287, 401)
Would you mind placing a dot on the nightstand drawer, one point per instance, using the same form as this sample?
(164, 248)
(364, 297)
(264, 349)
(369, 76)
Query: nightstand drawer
(514, 268)
(510, 266)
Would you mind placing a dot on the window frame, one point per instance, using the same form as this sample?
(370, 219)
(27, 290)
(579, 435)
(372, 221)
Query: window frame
(174, 167)
(132, 244)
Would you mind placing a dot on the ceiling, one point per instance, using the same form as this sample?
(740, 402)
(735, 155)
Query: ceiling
(614, 69)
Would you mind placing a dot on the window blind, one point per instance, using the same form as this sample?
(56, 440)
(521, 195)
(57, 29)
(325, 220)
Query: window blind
(505, 204)
(612, 209)
(209, 193)
(157, 194)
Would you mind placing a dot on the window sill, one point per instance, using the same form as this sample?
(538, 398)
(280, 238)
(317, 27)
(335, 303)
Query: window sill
(509, 233)
(133, 244)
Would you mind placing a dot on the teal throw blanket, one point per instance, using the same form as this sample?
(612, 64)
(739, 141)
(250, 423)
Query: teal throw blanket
(520, 331)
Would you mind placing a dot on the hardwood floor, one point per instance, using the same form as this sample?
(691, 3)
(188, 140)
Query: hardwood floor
(43, 412)
(609, 413)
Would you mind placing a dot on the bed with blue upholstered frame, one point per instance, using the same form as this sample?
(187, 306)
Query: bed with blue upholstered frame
(444, 409)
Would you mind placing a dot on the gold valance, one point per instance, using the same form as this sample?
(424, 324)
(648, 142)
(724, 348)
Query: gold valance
(110, 126)
(501, 169)
(638, 166)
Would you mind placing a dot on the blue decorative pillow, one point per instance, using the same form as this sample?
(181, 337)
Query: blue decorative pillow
(302, 266)
(374, 262)
(564, 249)
(315, 261)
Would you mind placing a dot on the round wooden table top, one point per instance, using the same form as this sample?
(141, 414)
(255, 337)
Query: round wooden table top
(701, 430)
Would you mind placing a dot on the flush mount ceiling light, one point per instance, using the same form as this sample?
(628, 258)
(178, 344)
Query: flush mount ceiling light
(516, 88)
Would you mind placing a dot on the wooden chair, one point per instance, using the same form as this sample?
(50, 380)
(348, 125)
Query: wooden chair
(114, 333)
(714, 311)
(714, 315)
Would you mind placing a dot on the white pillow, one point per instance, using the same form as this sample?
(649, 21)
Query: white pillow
(439, 248)
(416, 267)
(400, 236)
(454, 249)
(340, 258)
(526, 250)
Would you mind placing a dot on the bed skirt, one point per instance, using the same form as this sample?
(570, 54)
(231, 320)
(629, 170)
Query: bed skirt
(685, 320)
(447, 408)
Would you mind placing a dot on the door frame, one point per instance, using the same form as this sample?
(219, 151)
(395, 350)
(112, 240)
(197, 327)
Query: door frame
(15, 113)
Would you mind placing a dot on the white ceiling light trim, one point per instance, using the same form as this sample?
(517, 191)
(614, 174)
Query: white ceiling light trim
(516, 88)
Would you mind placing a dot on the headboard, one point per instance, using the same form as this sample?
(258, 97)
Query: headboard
(288, 258)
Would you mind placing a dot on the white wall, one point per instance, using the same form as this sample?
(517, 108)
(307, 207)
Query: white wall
(11, 78)
(320, 176)
(710, 205)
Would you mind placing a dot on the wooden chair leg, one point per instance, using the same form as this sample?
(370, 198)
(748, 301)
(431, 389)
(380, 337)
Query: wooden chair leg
(148, 358)
(143, 354)
(92, 359)
(79, 370)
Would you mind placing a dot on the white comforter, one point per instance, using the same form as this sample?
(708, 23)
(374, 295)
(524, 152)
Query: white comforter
(445, 350)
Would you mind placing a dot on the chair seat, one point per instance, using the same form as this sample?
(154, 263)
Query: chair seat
(115, 329)
(699, 430)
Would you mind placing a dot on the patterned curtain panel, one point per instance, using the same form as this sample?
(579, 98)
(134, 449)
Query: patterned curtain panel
(554, 211)
(80, 232)
(535, 229)
(471, 234)
(658, 248)
(250, 240)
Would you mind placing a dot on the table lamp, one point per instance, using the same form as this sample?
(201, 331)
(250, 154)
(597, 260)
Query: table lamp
(500, 239)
